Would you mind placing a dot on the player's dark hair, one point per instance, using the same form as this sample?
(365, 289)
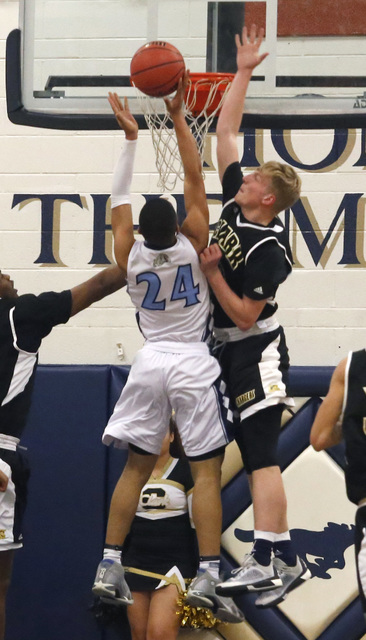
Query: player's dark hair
(158, 222)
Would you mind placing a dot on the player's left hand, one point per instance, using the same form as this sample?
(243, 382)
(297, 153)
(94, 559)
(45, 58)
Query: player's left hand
(247, 54)
(124, 116)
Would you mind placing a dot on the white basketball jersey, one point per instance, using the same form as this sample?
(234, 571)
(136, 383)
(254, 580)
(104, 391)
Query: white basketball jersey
(169, 291)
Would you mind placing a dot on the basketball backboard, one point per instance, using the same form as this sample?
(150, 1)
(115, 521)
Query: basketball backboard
(67, 54)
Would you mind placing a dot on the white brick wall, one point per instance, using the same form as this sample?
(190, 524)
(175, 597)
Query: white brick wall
(321, 306)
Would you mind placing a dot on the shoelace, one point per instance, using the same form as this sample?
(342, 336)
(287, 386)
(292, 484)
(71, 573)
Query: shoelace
(246, 561)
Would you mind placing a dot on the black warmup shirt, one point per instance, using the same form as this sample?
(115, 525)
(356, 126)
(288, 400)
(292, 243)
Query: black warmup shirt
(24, 322)
(354, 426)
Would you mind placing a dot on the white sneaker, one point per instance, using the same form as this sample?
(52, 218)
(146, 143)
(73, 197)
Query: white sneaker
(201, 593)
(291, 577)
(251, 576)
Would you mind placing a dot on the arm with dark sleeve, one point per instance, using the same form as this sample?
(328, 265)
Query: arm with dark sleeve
(231, 181)
(35, 316)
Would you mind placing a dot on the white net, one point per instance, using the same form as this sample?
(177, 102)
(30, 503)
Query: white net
(204, 97)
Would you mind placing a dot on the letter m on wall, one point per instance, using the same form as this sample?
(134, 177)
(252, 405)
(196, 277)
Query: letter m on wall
(347, 224)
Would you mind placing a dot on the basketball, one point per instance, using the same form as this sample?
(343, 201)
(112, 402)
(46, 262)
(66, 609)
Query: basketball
(156, 68)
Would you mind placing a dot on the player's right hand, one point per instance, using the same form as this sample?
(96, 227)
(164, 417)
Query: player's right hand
(174, 105)
(124, 116)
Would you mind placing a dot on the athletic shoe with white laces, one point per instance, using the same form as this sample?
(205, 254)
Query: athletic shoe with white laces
(250, 576)
(201, 593)
(291, 577)
(110, 584)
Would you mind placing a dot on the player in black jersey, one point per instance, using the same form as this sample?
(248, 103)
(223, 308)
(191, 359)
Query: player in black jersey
(248, 259)
(342, 415)
(24, 321)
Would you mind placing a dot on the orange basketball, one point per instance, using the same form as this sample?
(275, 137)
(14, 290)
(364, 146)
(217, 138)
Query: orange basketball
(156, 68)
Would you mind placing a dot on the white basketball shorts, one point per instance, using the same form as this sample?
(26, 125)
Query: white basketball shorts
(166, 376)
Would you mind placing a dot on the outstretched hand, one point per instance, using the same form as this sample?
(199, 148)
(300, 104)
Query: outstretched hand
(247, 54)
(124, 116)
(174, 105)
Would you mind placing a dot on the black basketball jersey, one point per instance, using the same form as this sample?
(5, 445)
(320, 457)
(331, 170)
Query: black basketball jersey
(354, 425)
(24, 322)
(256, 258)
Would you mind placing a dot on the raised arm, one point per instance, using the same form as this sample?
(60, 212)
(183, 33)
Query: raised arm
(122, 223)
(228, 125)
(326, 430)
(196, 223)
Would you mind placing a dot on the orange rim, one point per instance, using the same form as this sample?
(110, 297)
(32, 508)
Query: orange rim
(210, 76)
(202, 84)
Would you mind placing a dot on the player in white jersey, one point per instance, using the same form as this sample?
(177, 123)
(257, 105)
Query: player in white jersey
(174, 370)
(182, 308)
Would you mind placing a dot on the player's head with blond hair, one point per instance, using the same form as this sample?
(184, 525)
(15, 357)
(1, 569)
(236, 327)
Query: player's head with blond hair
(285, 184)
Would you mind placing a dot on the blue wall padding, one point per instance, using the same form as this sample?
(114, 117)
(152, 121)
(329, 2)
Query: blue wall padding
(116, 457)
(66, 514)
(73, 476)
(309, 381)
(349, 626)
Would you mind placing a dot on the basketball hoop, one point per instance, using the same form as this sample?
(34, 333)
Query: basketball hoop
(204, 97)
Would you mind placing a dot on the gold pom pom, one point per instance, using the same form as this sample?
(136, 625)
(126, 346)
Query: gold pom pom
(195, 617)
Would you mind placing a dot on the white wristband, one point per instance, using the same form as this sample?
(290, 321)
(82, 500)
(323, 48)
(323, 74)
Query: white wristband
(122, 176)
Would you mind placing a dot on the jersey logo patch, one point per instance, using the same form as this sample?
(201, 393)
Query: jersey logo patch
(162, 258)
(259, 290)
(2, 534)
(273, 388)
(244, 398)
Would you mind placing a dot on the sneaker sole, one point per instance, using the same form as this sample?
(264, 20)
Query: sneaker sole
(196, 600)
(225, 616)
(101, 590)
(222, 614)
(306, 575)
(236, 589)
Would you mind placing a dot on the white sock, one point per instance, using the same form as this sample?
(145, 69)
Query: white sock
(212, 566)
(112, 554)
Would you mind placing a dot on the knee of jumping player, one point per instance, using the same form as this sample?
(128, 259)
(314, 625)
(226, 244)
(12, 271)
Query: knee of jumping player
(257, 438)
(207, 467)
(140, 464)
